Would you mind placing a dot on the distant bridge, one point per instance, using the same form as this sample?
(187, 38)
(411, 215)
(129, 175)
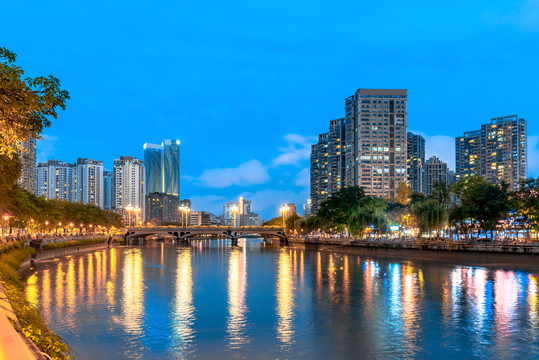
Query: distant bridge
(188, 233)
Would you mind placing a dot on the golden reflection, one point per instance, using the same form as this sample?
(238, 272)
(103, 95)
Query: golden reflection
(319, 274)
(90, 278)
(111, 284)
(71, 294)
(331, 276)
(237, 284)
(80, 281)
(346, 282)
(184, 312)
(98, 269)
(32, 291)
(133, 292)
(302, 268)
(285, 299)
(46, 293)
(59, 293)
(532, 300)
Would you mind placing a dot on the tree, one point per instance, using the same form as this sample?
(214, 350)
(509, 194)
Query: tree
(441, 193)
(429, 215)
(10, 170)
(335, 211)
(526, 199)
(370, 212)
(25, 104)
(403, 193)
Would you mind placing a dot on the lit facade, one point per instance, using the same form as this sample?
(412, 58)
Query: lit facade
(55, 180)
(107, 190)
(416, 162)
(163, 207)
(88, 182)
(162, 164)
(436, 171)
(497, 152)
(27, 157)
(128, 188)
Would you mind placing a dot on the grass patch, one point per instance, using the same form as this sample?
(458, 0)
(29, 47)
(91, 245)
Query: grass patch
(32, 324)
(64, 244)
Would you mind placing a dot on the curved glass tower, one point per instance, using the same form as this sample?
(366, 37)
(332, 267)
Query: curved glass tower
(152, 162)
(171, 167)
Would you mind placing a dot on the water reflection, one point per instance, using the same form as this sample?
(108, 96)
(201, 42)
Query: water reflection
(184, 311)
(133, 291)
(163, 302)
(237, 286)
(285, 298)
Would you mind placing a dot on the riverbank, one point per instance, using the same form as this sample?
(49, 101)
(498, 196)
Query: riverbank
(522, 256)
(18, 316)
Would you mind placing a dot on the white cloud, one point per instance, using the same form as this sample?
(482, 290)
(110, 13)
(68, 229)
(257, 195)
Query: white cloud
(267, 202)
(533, 155)
(303, 178)
(298, 149)
(248, 173)
(45, 149)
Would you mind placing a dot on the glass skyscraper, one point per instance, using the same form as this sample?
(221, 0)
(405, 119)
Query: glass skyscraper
(171, 167)
(162, 164)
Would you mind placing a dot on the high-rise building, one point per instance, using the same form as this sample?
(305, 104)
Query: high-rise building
(327, 163)
(307, 208)
(244, 216)
(27, 157)
(376, 140)
(373, 153)
(436, 171)
(88, 182)
(153, 166)
(468, 154)
(128, 186)
(163, 167)
(55, 180)
(163, 207)
(498, 151)
(107, 189)
(416, 162)
(200, 218)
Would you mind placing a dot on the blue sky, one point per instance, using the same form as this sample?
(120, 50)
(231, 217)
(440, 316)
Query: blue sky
(247, 86)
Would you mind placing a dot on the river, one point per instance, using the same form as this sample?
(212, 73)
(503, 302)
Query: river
(212, 301)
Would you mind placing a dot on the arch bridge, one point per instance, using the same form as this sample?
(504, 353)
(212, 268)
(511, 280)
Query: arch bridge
(188, 233)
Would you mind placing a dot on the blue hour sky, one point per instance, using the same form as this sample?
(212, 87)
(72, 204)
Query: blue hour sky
(247, 86)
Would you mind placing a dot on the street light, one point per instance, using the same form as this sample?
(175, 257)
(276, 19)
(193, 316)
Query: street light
(136, 210)
(284, 210)
(187, 211)
(129, 208)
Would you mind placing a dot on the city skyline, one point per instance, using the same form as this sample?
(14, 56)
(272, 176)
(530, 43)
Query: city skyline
(207, 79)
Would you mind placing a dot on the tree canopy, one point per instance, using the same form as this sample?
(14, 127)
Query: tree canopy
(26, 104)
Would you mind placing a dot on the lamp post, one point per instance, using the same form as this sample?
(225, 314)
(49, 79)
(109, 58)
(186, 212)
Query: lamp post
(47, 225)
(137, 211)
(284, 210)
(187, 211)
(129, 208)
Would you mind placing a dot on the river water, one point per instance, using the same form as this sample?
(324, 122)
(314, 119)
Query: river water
(212, 301)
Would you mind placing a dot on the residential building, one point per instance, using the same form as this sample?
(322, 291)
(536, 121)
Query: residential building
(200, 218)
(327, 163)
(416, 162)
(376, 140)
(88, 185)
(27, 157)
(436, 171)
(366, 148)
(107, 190)
(497, 152)
(128, 188)
(163, 207)
(55, 180)
(307, 208)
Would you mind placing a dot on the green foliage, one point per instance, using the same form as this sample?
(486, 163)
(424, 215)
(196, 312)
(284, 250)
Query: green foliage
(276, 221)
(65, 244)
(26, 104)
(370, 212)
(10, 170)
(403, 193)
(526, 201)
(441, 193)
(430, 215)
(335, 211)
(31, 321)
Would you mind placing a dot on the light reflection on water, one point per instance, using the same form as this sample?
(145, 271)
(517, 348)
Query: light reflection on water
(209, 300)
